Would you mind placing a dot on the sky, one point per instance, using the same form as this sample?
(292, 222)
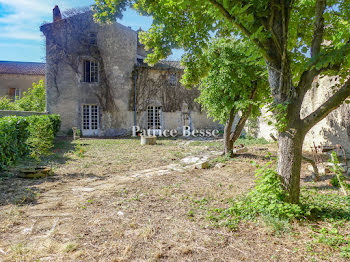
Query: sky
(20, 37)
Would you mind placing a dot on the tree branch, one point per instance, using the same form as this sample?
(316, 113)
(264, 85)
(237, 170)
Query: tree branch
(240, 125)
(319, 28)
(241, 27)
(323, 110)
(309, 74)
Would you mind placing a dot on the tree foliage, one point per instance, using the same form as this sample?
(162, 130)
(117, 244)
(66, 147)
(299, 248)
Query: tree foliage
(189, 24)
(229, 77)
(32, 100)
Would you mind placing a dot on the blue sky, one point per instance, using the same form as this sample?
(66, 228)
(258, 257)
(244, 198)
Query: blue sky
(20, 37)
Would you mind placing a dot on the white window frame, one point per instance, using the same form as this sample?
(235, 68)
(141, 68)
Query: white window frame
(93, 75)
(17, 94)
(154, 122)
(92, 129)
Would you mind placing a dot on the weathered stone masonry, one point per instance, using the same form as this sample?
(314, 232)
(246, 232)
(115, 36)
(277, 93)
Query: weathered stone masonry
(333, 129)
(115, 48)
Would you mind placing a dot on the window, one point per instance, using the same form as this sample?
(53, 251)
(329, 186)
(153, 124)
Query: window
(154, 117)
(93, 39)
(14, 94)
(140, 61)
(172, 79)
(90, 71)
(90, 120)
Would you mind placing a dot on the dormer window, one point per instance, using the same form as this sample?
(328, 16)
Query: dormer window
(90, 71)
(173, 79)
(93, 39)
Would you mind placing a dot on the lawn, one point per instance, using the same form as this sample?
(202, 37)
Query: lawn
(115, 200)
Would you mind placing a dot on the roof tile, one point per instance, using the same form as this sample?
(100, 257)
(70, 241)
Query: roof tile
(24, 68)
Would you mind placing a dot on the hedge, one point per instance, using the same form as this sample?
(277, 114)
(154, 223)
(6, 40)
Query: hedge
(14, 133)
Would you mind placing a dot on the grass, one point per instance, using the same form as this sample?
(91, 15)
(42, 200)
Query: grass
(93, 209)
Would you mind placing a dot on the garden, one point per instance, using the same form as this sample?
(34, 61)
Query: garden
(115, 200)
(195, 199)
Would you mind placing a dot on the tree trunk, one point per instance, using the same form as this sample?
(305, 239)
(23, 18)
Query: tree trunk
(230, 138)
(290, 141)
(228, 144)
(240, 125)
(290, 145)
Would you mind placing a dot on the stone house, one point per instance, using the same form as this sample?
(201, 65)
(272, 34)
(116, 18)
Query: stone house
(18, 77)
(97, 81)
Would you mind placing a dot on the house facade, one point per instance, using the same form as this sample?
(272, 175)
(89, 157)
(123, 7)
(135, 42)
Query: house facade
(18, 77)
(97, 81)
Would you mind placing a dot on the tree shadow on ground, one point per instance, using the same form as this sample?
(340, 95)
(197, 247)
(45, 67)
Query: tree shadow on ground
(252, 156)
(22, 191)
(321, 178)
(322, 187)
(62, 146)
(333, 213)
(82, 175)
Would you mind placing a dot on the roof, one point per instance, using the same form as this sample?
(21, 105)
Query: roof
(22, 68)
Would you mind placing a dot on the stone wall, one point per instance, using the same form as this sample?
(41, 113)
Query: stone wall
(67, 48)
(19, 113)
(20, 81)
(334, 129)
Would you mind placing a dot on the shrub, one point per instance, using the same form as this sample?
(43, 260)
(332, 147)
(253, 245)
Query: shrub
(32, 100)
(267, 202)
(40, 140)
(56, 123)
(7, 104)
(266, 199)
(20, 136)
(13, 135)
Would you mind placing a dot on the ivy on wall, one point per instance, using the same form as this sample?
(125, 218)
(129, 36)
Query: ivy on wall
(67, 43)
(154, 85)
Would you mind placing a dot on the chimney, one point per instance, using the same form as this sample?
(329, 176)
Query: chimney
(56, 14)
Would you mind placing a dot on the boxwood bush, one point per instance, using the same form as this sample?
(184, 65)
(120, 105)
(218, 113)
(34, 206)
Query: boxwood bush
(16, 131)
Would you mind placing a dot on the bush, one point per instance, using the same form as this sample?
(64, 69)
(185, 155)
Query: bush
(41, 137)
(266, 199)
(13, 135)
(56, 123)
(21, 136)
(267, 202)
(7, 104)
(32, 100)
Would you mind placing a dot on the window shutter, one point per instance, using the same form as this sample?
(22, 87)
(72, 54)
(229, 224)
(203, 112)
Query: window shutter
(12, 93)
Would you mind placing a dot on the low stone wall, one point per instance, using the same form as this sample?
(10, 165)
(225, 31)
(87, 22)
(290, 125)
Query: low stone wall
(20, 113)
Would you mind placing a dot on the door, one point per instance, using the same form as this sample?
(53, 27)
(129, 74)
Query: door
(90, 120)
(154, 119)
